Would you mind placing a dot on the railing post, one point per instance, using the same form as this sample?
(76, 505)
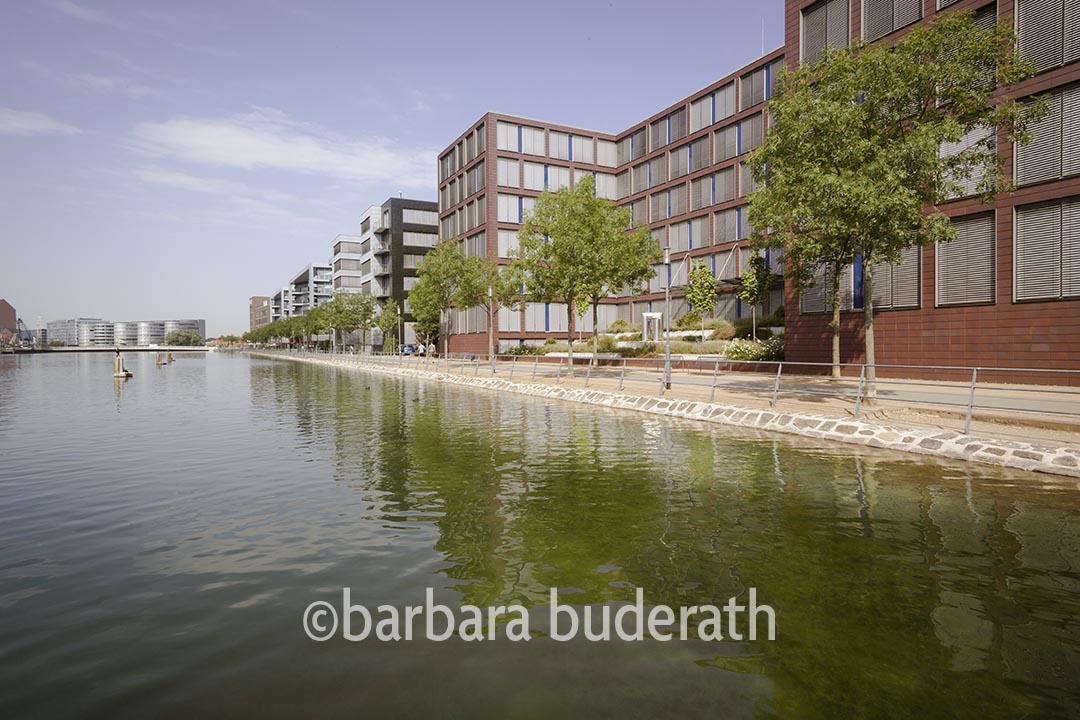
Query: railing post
(558, 375)
(776, 385)
(622, 375)
(588, 374)
(476, 372)
(513, 363)
(971, 400)
(663, 383)
(715, 372)
(858, 399)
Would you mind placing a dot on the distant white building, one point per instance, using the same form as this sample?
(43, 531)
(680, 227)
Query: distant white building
(96, 332)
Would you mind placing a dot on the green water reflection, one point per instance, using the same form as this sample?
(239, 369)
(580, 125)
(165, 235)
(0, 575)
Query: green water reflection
(903, 587)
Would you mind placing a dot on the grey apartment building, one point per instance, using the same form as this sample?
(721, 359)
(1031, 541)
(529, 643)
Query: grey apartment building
(383, 259)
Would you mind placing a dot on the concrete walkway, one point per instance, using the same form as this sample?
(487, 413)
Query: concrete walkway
(811, 407)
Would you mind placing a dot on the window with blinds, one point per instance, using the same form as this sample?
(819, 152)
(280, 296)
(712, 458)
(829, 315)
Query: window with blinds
(1054, 150)
(658, 134)
(532, 141)
(658, 171)
(701, 113)
(965, 267)
(559, 145)
(637, 144)
(1048, 32)
(1047, 251)
(975, 140)
(534, 176)
(622, 185)
(881, 17)
(607, 153)
(751, 133)
(725, 185)
(640, 177)
(725, 226)
(701, 192)
(509, 174)
(699, 232)
(680, 161)
(897, 286)
(725, 102)
(677, 200)
(725, 143)
(747, 184)
(816, 298)
(679, 237)
(824, 25)
(752, 89)
(581, 149)
(699, 154)
(658, 206)
(677, 125)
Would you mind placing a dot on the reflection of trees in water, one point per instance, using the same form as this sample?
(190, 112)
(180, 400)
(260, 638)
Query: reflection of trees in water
(898, 583)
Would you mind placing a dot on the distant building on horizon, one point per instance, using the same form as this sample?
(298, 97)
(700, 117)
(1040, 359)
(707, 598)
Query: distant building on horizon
(259, 311)
(8, 319)
(97, 332)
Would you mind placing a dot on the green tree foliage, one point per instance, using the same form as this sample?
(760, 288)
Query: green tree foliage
(756, 284)
(349, 312)
(575, 248)
(701, 291)
(387, 322)
(183, 337)
(485, 284)
(437, 289)
(852, 163)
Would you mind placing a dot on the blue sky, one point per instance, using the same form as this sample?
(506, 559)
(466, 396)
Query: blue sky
(172, 159)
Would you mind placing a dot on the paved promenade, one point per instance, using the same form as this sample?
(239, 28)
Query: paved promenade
(927, 417)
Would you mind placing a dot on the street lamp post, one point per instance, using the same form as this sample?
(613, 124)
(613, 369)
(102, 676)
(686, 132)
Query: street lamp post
(667, 319)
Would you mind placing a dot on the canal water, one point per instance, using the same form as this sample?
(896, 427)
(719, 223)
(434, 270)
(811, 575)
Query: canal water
(161, 539)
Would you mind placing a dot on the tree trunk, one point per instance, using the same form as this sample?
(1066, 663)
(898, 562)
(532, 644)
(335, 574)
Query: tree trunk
(491, 333)
(753, 322)
(595, 331)
(570, 337)
(834, 292)
(868, 321)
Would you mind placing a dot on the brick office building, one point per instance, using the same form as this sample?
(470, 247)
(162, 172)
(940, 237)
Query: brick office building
(1006, 293)
(679, 171)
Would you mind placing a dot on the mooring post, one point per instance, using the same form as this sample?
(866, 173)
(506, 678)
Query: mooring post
(971, 400)
(776, 386)
(715, 372)
(858, 399)
(622, 375)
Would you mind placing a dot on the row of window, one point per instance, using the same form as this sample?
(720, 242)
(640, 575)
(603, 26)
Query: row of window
(465, 218)
(463, 153)
(754, 88)
(537, 176)
(464, 185)
(1046, 264)
(1047, 31)
(562, 146)
(410, 216)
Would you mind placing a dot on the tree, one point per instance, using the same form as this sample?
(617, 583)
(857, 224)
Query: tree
(866, 143)
(701, 291)
(575, 248)
(756, 284)
(438, 279)
(183, 337)
(483, 283)
(350, 312)
(387, 322)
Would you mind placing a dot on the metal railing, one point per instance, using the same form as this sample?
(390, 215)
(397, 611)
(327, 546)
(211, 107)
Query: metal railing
(961, 389)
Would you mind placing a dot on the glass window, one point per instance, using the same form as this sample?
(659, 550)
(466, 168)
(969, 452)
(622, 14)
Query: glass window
(965, 267)
(509, 173)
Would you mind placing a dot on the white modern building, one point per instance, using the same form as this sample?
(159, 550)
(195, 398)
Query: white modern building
(96, 332)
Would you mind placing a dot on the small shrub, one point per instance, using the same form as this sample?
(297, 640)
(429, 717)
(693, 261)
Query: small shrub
(771, 349)
(634, 336)
(621, 326)
(714, 323)
(606, 344)
(722, 330)
(648, 350)
(550, 341)
(526, 350)
(776, 319)
(744, 328)
(689, 321)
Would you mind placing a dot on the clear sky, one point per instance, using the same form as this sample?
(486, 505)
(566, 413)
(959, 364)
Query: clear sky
(171, 159)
